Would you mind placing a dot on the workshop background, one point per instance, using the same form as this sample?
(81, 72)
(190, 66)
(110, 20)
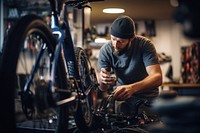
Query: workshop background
(160, 20)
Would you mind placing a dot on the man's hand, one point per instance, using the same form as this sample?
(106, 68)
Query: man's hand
(123, 92)
(105, 77)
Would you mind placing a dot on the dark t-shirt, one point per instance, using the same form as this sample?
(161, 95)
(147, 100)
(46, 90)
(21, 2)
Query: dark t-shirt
(131, 66)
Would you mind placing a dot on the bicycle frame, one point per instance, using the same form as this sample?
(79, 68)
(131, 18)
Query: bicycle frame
(65, 45)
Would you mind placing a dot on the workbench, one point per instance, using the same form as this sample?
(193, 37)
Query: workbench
(183, 89)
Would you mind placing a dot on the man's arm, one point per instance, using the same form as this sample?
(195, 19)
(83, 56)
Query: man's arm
(153, 80)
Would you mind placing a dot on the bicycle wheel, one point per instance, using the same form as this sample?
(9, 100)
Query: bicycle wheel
(87, 102)
(26, 72)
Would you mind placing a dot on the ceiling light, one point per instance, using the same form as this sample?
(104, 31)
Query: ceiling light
(113, 10)
(100, 40)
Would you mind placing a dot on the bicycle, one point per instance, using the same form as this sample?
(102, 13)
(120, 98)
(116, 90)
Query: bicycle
(59, 80)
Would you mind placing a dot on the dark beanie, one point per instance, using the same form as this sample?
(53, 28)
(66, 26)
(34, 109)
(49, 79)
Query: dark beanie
(123, 27)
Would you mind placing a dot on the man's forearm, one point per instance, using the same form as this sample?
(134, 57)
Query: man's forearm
(153, 80)
(148, 83)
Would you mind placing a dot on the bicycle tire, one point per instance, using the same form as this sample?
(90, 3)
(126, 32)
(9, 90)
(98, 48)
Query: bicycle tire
(27, 35)
(86, 105)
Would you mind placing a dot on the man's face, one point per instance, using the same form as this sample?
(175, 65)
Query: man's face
(120, 45)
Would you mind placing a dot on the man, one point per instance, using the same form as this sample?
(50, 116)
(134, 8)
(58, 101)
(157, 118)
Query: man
(133, 59)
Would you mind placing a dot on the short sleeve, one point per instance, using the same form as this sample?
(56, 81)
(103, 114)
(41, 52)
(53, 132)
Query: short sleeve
(149, 56)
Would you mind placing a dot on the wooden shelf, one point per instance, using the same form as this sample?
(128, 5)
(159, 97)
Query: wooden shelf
(181, 85)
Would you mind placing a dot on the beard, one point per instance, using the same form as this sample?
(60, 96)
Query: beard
(119, 52)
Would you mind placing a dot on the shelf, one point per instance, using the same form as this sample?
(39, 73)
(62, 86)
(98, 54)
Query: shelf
(180, 85)
(183, 89)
